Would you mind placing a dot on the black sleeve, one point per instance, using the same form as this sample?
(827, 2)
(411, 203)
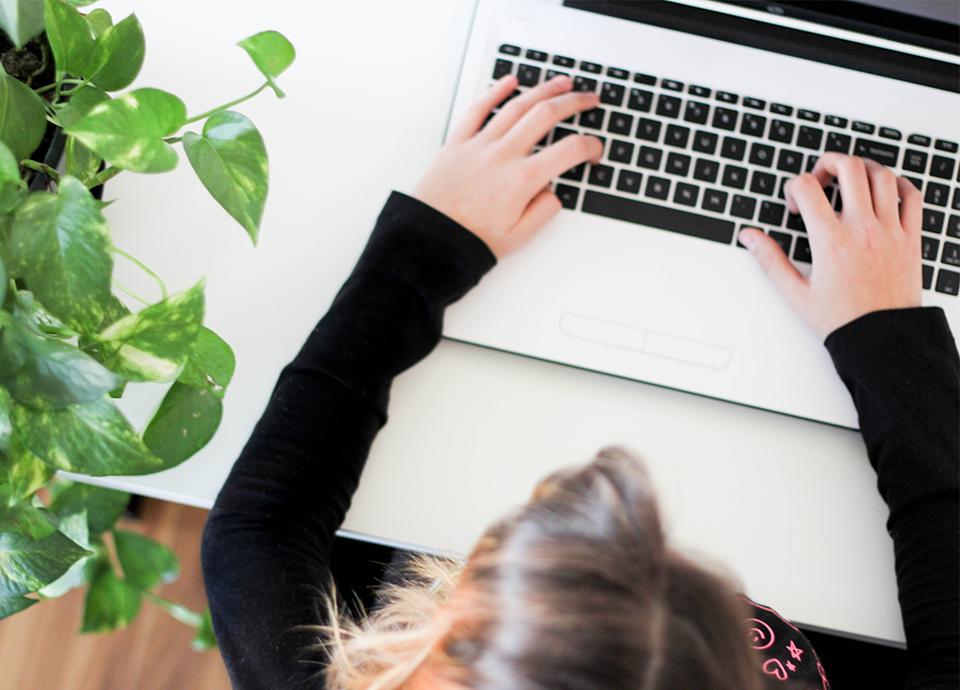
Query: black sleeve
(901, 367)
(266, 544)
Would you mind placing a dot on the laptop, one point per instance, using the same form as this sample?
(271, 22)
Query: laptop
(707, 108)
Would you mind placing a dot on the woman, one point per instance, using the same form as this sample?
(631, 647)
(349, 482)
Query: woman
(577, 589)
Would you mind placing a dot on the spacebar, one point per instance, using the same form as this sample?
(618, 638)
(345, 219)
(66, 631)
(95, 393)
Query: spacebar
(658, 217)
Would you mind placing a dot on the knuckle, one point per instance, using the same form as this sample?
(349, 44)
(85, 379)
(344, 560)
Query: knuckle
(545, 110)
(583, 145)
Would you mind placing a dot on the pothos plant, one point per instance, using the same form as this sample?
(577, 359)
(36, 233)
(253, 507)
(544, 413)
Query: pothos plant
(68, 344)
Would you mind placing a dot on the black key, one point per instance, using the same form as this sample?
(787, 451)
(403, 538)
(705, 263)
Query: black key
(864, 127)
(733, 148)
(951, 253)
(657, 187)
(761, 154)
(649, 157)
(928, 248)
(648, 130)
(915, 161)
(734, 176)
(686, 194)
(564, 61)
(783, 182)
(918, 139)
(927, 277)
(784, 239)
(509, 98)
(948, 282)
(701, 91)
(640, 100)
(592, 118)
(621, 151)
(882, 153)
(600, 175)
(676, 136)
(838, 142)
(714, 200)
(536, 55)
(706, 170)
(568, 195)
(696, 112)
(936, 194)
(953, 226)
(501, 68)
(743, 206)
(671, 85)
(612, 94)
(955, 204)
(727, 97)
(561, 132)
(678, 164)
(838, 202)
(948, 146)
(810, 137)
(932, 220)
(916, 181)
(725, 118)
(754, 103)
(801, 251)
(551, 73)
(620, 123)
(781, 131)
(795, 222)
(584, 84)
(654, 215)
(835, 121)
(763, 183)
(890, 133)
(629, 181)
(591, 67)
(942, 167)
(575, 174)
(508, 49)
(811, 163)
(647, 79)
(753, 125)
(668, 106)
(790, 161)
(781, 109)
(617, 73)
(771, 212)
(810, 115)
(705, 142)
(528, 75)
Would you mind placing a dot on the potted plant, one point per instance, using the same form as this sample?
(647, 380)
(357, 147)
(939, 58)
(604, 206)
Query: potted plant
(68, 344)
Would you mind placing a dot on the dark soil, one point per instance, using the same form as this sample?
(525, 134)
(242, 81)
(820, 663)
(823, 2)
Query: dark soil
(32, 64)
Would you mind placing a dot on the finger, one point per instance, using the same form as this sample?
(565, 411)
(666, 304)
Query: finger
(560, 156)
(805, 196)
(544, 116)
(911, 206)
(851, 174)
(776, 265)
(517, 108)
(543, 207)
(883, 189)
(477, 113)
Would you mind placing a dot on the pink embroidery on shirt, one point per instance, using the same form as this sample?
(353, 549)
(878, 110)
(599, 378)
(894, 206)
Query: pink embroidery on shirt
(761, 634)
(773, 667)
(795, 651)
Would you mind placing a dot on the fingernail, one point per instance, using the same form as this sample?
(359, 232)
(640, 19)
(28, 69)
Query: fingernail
(747, 239)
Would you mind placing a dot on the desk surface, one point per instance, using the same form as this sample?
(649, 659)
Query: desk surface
(790, 507)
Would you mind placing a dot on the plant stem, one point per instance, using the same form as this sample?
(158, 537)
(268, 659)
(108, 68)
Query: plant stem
(178, 611)
(130, 293)
(41, 168)
(238, 101)
(104, 175)
(146, 269)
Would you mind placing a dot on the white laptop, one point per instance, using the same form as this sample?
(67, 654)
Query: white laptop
(707, 108)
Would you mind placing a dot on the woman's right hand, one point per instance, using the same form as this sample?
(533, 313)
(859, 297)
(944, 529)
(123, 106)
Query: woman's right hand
(865, 259)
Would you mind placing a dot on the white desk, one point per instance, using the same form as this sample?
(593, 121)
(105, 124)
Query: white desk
(788, 506)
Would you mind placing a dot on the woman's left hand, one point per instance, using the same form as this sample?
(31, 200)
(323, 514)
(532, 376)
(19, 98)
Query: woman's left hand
(485, 177)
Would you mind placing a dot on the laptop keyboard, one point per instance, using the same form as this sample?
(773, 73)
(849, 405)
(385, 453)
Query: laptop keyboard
(689, 159)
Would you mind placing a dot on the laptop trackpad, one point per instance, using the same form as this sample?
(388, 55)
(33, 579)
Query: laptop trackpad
(645, 341)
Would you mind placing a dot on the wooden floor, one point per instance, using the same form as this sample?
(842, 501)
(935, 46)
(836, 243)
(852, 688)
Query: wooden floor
(40, 649)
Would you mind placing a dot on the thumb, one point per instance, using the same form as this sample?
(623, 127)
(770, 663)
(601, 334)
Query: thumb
(776, 265)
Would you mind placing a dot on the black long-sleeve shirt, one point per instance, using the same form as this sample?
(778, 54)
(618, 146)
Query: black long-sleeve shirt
(266, 547)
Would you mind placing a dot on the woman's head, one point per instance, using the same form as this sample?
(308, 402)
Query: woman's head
(577, 589)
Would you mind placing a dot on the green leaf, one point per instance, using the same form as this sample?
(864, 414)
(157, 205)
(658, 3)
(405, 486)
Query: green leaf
(99, 21)
(102, 506)
(39, 319)
(46, 372)
(26, 564)
(204, 639)
(120, 51)
(75, 527)
(93, 438)
(128, 131)
(185, 422)
(81, 162)
(23, 117)
(70, 37)
(272, 53)
(22, 517)
(21, 19)
(11, 187)
(211, 363)
(61, 246)
(145, 562)
(154, 344)
(231, 161)
(80, 103)
(12, 605)
(111, 603)
(25, 472)
(6, 409)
